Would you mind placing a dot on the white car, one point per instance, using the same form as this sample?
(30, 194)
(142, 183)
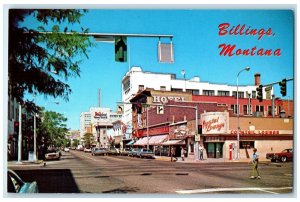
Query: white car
(66, 149)
(87, 150)
(52, 155)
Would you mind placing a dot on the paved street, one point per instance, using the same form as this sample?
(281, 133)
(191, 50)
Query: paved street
(79, 172)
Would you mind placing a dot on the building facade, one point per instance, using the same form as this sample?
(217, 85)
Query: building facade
(98, 121)
(175, 125)
(136, 80)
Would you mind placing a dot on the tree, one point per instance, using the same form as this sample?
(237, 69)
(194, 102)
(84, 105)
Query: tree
(34, 53)
(87, 139)
(75, 143)
(52, 129)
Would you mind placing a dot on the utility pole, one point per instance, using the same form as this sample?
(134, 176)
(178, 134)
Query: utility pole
(20, 135)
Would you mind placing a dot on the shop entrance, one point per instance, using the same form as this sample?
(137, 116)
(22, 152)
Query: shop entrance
(215, 150)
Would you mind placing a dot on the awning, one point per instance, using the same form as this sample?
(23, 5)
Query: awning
(174, 142)
(157, 140)
(142, 141)
(130, 143)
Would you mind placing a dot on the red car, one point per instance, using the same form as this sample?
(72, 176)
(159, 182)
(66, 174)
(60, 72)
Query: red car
(285, 155)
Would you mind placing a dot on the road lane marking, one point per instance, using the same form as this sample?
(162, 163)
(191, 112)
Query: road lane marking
(266, 189)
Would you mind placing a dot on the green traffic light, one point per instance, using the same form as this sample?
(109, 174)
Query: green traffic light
(120, 49)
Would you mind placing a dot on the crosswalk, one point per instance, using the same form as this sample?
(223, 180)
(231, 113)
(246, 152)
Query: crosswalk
(269, 190)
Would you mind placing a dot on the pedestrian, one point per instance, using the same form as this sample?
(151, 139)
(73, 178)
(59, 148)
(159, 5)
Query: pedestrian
(173, 154)
(201, 151)
(182, 153)
(255, 160)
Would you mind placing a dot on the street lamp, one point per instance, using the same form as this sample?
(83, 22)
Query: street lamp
(183, 74)
(238, 111)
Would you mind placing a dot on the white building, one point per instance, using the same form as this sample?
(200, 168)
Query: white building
(98, 121)
(136, 80)
(85, 123)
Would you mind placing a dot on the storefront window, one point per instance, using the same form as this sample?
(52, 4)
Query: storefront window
(246, 144)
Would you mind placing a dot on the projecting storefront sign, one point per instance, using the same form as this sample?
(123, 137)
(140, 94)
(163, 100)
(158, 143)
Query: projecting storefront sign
(215, 122)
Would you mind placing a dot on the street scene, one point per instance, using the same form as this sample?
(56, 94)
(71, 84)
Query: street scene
(80, 172)
(156, 102)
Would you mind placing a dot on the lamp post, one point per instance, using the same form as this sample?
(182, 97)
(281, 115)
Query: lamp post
(238, 110)
(34, 130)
(183, 73)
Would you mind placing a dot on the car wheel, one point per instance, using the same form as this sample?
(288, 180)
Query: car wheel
(283, 159)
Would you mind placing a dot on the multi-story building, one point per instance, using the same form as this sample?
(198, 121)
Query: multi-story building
(12, 128)
(137, 80)
(153, 125)
(85, 123)
(98, 121)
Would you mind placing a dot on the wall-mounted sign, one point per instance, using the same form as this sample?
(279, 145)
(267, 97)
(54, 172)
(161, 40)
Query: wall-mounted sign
(256, 132)
(100, 115)
(181, 131)
(165, 99)
(215, 122)
(197, 138)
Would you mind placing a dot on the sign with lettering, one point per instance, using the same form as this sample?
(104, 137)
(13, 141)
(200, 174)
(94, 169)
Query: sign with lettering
(256, 132)
(165, 99)
(215, 122)
(181, 131)
(100, 115)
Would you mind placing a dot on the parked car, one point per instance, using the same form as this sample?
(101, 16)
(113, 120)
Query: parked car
(66, 149)
(133, 152)
(125, 152)
(283, 156)
(145, 153)
(99, 151)
(113, 151)
(52, 154)
(16, 185)
(79, 148)
(89, 150)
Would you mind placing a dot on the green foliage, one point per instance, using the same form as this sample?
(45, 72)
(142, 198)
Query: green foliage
(53, 129)
(88, 139)
(75, 143)
(34, 54)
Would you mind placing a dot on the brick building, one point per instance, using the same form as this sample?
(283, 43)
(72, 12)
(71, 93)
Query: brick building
(162, 127)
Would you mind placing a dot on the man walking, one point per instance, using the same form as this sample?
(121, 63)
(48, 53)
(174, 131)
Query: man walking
(254, 160)
(173, 153)
(201, 151)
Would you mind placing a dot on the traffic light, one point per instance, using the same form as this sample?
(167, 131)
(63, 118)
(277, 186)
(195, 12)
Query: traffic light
(120, 49)
(139, 108)
(282, 85)
(259, 93)
(16, 127)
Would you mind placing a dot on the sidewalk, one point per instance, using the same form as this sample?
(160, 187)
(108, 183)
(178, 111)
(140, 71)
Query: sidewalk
(25, 162)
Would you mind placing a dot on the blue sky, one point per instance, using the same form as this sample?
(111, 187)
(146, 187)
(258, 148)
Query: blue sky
(196, 46)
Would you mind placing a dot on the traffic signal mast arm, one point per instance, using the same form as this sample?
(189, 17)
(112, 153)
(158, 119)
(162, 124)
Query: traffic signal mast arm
(278, 82)
(282, 85)
(99, 35)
